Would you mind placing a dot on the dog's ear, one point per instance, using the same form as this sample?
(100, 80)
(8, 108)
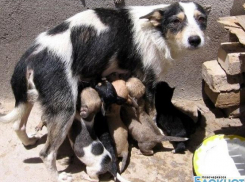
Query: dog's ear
(154, 17)
(207, 9)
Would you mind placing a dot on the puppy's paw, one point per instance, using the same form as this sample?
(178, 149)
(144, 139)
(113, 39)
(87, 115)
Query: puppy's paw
(65, 177)
(138, 152)
(148, 153)
(86, 177)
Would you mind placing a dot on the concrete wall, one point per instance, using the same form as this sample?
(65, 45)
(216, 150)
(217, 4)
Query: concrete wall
(23, 20)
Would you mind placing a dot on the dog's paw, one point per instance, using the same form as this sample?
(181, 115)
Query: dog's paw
(32, 140)
(65, 177)
(65, 161)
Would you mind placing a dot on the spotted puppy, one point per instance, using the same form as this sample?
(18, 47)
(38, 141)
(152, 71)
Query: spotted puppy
(87, 147)
(102, 132)
(142, 41)
(140, 125)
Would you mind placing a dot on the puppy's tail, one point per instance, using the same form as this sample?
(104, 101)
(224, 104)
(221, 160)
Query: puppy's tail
(15, 114)
(124, 161)
(171, 138)
(120, 178)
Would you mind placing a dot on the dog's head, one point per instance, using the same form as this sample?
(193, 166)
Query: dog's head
(182, 24)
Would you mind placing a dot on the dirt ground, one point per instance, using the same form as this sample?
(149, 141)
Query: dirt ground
(20, 164)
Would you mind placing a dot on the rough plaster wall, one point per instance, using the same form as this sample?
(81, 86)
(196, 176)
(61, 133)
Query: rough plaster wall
(23, 20)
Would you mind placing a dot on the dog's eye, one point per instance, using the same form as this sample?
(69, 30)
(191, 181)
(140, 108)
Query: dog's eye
(176, 21)
(201, 19)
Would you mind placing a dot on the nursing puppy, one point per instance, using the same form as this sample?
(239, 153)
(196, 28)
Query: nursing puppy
(108, 95)
(117, 128)
(90, 104)
(89, 149)
(84, 142)
(94, 43)
(102, 132)
(140, 125)
(170, 119)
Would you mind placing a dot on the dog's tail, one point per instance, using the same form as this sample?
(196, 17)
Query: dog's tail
(171, 138)
(120, 178)
(124, 161)
(15, 114)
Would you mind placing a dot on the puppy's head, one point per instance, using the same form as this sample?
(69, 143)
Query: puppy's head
(164, 93)
(181, 24)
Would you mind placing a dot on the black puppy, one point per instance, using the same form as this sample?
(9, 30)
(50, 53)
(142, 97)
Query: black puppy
(170, 119)
(108, 95)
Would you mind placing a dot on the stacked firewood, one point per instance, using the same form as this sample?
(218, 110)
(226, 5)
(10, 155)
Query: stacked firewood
(225, 77)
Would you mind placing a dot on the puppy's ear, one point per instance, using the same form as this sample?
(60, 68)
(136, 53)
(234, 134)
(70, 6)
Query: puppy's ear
(154, 17)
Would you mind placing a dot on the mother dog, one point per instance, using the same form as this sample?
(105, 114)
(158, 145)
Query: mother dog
(138, 40)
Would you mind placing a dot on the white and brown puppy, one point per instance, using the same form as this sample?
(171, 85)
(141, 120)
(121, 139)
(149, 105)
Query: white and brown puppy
(140, 125)
(94, 43)
(87, 147)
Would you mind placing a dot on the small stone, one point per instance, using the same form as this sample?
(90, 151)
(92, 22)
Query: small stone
(225, 99)
(231, 56)
(217, 79)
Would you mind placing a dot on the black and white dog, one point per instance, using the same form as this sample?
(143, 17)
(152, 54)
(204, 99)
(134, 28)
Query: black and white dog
(142, 41)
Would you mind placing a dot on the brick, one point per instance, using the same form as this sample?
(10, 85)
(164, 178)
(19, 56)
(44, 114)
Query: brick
(217, 79)
(231, 57)
(225, 99)
(235, 111)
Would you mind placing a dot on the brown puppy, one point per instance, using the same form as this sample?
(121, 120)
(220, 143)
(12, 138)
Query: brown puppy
(140, 125)
(117, 129)
(90, 104)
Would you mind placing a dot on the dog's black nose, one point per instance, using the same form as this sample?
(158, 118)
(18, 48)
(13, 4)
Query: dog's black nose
(194, 40)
